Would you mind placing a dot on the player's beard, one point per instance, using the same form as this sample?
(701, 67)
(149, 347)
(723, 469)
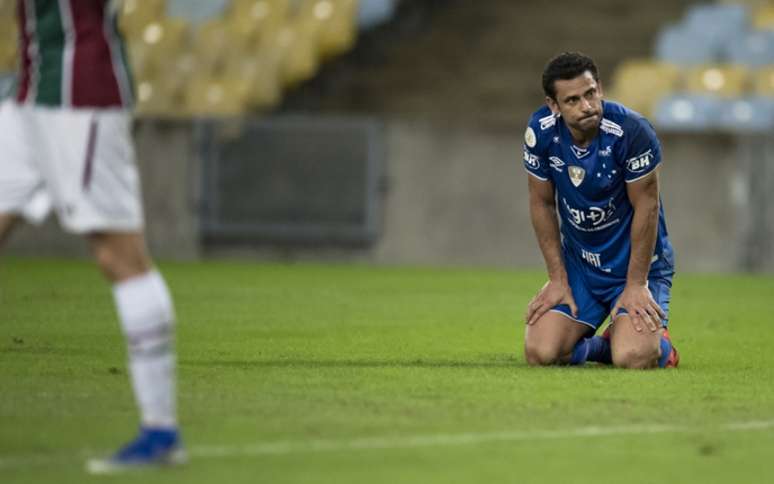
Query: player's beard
(589, 123)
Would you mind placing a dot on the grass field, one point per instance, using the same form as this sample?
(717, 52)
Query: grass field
(353, 374)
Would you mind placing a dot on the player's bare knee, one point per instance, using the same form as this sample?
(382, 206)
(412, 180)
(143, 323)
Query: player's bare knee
(634, 357)
(541, 355)
(120, 257)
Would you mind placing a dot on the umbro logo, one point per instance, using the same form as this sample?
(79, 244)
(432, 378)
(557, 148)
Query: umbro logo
(556, 163)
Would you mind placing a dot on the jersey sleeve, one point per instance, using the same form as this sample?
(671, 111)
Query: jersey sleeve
(643, 153)
(535, 152)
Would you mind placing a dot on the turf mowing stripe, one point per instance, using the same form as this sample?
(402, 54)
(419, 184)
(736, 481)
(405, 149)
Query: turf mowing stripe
(439, 440)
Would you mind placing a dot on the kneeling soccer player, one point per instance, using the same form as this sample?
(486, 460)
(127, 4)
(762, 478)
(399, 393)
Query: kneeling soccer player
(598, 162)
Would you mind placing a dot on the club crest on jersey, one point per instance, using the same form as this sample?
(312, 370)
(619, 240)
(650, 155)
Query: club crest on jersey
(576, 175)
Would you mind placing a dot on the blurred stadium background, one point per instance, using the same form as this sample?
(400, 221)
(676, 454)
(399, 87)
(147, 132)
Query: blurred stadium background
(389, 131)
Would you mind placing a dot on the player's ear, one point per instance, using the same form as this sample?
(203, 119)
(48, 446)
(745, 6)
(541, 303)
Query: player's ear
(552, 104)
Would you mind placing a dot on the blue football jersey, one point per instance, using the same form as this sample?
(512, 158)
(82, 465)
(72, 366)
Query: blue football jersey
(590, 186)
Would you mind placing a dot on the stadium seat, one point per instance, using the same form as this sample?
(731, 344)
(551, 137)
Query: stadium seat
(212, 43)
(687, 112)
(7, 8)
(261, 73)
(216, 97)
(256, 19)
(745, 115)
(160, 41)
(703, 33)
(152, 99)
(753, 48)
(719, 80)
(8, 33)
(338, 34)
(763, 18)
(296, 45)
(136, 14)
(720, 21)
(763, 82)
(678, 45)
(640, 84)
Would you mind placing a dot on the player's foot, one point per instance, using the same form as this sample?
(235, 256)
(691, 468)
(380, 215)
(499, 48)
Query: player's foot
(152, 448)
(674, 356)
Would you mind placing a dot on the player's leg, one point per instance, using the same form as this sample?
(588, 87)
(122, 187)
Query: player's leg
(646, 349)
(120, 255)
(559, 337)
(89, 166)
(7, 223)
(631, 348)
(550, 341)
(21, 187)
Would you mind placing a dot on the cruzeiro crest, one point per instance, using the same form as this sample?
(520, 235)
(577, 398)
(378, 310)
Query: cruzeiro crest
(576, 175)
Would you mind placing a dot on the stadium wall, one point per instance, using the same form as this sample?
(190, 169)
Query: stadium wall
(456, 196)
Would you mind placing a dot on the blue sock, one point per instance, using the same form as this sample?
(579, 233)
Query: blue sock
(666, 350)
(580, 353)
(599, 350)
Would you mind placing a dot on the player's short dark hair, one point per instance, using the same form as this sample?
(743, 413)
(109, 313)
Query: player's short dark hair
(566, 66)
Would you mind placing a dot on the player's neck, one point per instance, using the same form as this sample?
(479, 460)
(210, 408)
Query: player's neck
(583, 139)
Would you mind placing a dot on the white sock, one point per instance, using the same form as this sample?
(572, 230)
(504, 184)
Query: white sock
(147, 318)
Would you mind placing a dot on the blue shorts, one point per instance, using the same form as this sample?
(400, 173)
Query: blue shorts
(596, 295)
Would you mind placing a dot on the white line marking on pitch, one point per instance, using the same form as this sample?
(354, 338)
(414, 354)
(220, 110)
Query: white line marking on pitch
(398, 442)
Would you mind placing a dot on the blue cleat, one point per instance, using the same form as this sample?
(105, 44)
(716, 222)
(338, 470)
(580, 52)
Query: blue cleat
(152, 448)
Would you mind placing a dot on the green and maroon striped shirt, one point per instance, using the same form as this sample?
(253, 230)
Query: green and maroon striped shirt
(71, 54)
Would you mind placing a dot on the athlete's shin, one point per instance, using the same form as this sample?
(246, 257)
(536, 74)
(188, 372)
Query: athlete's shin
(147, 318)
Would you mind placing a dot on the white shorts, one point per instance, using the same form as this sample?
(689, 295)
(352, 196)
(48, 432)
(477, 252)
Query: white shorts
(79, 161)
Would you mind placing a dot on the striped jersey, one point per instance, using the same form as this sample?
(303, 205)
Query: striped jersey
(590, 186)
(71, 55)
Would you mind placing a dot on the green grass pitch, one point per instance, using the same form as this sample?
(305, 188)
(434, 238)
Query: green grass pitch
(355, 374)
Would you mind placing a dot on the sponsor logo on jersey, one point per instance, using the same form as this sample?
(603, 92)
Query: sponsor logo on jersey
(532, 161)
(591, 219)
(592, 258)
(529, 137)
(610, 127)
(606, 152)
(640, 163)
(576, 175)
(556, 163)
(547, 122)
(579, 152)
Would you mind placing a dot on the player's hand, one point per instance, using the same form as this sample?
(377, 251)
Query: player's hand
(550, 295)
(644, 311)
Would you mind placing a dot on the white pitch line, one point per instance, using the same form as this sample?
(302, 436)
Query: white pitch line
(408, 442)
(438, 440)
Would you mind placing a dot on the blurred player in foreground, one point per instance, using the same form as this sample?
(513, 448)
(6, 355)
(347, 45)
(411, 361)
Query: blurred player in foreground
(66, 142)
(593, 164)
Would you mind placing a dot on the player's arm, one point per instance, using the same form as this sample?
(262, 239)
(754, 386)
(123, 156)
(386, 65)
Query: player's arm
(636, 298)
(542, 209)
